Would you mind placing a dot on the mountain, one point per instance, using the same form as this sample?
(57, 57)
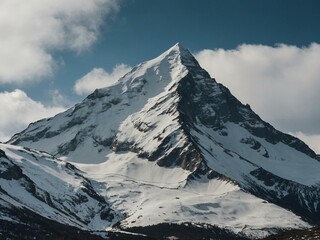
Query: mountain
(168, 145)
(37, 189)
(309, 234)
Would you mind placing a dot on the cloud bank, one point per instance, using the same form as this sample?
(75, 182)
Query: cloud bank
(99, 78)
(312, 140)
(280, 83)
(31, 30)
(18, 110)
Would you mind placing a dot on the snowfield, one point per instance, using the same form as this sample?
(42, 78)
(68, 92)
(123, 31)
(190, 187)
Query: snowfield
(155, 199)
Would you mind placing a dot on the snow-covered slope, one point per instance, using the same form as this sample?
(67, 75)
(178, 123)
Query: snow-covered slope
(168, 129)
(203, 202)
(33, 181)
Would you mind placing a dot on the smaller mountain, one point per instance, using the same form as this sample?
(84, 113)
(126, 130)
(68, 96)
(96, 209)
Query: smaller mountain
(37, 190)
(307, 234)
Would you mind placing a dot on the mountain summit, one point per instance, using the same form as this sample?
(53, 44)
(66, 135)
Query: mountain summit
(168, 139)
(102, 113)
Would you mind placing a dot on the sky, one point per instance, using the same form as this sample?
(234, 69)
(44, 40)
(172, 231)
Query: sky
(55, 52)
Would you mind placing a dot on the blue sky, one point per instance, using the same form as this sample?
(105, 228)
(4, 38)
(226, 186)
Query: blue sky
(143, 29)
(50, 45)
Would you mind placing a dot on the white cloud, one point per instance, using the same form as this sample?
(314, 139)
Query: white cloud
(18, 110)
(99, 78)
(31, 30)
(312, 140)
(58, 99)
(280, 83)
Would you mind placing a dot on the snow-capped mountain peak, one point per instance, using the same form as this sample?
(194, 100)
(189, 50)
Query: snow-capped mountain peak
(145, 84)
(168, 125)
(183, 54)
